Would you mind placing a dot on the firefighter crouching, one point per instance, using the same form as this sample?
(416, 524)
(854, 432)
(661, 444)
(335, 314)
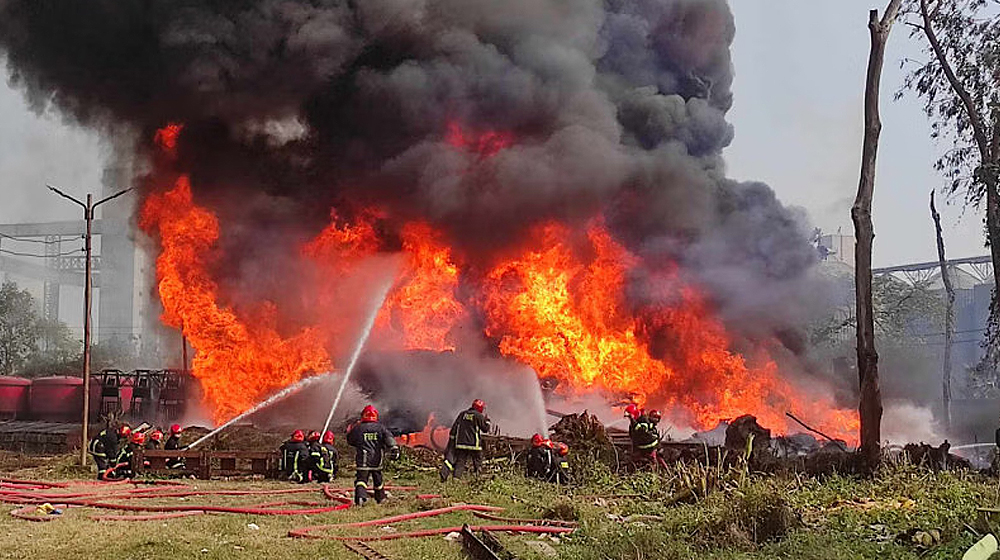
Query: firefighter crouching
(154, 440)
(103, 447)
(123, 466)
(560, 466)
(465, 442)
(371, 440)
(173, 443)
(540, 458)
(294, 460)
(324, 458)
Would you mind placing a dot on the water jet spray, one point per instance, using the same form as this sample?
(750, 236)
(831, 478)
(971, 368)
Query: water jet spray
(357, 349)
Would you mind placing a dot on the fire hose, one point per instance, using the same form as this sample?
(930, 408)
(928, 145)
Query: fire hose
(307, 532)
(29, 497)
(99, 500)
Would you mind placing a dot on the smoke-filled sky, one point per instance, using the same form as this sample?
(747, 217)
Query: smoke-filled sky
(797, 116)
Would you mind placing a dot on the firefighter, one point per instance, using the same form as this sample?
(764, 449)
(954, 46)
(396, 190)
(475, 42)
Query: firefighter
(295, 457)
(560, 465)
(324, 458)
(312, 463)
(123, 466)
(465, 442)
(371, 440)
(103, 448)
(174, 443)
(155, 439)
(540, 458)
(644, 436)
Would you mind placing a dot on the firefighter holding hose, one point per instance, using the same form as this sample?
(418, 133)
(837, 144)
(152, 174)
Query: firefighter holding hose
(324, 458)
(174, 444)
(465, 443)
(371, 440)
(294, 461)
(123, 466)
(103, 448)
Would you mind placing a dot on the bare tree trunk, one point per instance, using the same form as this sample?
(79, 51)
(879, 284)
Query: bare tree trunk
(949, 318)
(870, 407)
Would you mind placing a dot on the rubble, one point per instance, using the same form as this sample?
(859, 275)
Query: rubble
(746, 438)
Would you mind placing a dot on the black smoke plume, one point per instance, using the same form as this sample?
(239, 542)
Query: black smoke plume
(616, 107)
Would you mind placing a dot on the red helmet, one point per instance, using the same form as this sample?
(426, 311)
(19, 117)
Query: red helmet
(313, 436)
(328, 437)
(478, 405)
(632, 411)
(176, 429)
(124, 430)
(298, 435)
(369, 414)
(537, 440)
(655, 415)
(157, 435)
(138, 438)
(562, 449)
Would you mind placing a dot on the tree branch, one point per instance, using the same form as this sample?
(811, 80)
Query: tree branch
(978, 127)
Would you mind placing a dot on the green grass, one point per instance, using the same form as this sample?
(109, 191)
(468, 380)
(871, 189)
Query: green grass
(742, 517)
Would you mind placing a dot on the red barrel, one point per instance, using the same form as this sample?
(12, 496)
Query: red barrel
(56, 399)
(14, 397)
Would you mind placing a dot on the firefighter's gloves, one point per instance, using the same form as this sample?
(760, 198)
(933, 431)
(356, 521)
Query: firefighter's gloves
(394, 454)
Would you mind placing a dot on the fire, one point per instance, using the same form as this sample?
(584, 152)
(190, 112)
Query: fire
(422, 311)
(567, 317)
(166, 137)
(486, 144)
(558, 304)
(238, 360)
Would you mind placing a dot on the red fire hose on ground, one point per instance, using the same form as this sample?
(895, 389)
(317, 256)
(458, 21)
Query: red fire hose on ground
(307, 532)
(32, 493)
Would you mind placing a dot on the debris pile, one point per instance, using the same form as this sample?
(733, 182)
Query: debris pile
(745, 433)
(586, 436)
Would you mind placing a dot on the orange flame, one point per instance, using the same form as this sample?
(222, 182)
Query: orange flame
(566, 317)
(237, 360)
(422, 311)
(558, 305)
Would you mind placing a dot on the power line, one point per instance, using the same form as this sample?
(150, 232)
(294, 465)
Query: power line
(37, 256)
(40, 241)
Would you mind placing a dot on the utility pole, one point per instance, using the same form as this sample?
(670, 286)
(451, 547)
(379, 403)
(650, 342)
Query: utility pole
(88, 216)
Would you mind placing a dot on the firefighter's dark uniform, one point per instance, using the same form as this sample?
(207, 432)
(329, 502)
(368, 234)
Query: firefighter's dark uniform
(294, 462)
(323, 462)
(465, 443)
(371, 440)
(539, 462)
(560, 470)
(122, 466)
(174, 443)
(103, 448)
(645, 439)
(152, 444)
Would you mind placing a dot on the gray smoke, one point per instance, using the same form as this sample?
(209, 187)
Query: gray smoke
(614, 108)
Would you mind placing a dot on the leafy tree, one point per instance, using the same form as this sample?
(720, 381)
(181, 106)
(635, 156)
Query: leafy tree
(960, 86)
(902, 313)
(62, 354)
(20, 327)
